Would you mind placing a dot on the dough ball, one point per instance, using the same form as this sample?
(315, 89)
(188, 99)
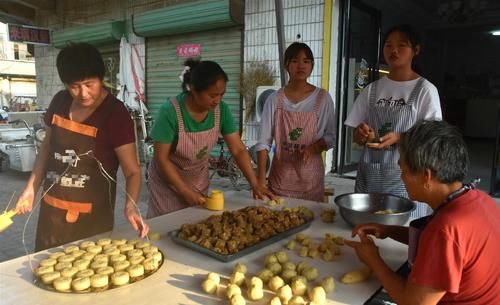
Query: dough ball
(280, 201)
(275, 301)
(285, 294)
(237, 299)
(255, 293)
(291, 245)
(300, 278)
(304, 251)
(297, 300)
(288, 274)
(240, 267)
(214, 277)
(301, 266)
(328, 284)
(310, 273)
(275, 268)
(275, 283)
(289, 266)
(339, 240)
(300, 237)
(282, 257)
(313, 253)
(237, 278)
(232, 289)
(255, 281)
(270, 259)
(328, 256)
(299, 287)
(317, 295)
(265, 275)
(209, 286)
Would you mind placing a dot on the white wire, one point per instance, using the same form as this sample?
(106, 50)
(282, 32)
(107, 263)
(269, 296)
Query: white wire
(105, 175)
(10, 201)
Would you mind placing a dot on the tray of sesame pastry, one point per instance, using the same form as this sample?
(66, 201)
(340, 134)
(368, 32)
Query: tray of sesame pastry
(234, 234)
(97, 266)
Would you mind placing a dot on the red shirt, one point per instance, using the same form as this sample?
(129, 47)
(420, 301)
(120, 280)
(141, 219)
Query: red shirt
(118, 128)
(459, 251)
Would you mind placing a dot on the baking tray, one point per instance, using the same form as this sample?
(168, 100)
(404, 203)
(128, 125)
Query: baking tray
(38, 282)
(230, 257)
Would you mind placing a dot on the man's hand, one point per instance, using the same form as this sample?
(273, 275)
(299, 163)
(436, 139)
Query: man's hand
(378, 230)
(366, 250)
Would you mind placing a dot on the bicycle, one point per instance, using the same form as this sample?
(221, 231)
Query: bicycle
(224, 165)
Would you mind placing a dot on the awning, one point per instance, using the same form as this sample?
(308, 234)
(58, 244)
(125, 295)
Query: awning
(189, 17)
(96, 34)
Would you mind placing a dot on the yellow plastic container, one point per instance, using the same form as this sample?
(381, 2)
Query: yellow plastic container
(6, 219)
(215, 201)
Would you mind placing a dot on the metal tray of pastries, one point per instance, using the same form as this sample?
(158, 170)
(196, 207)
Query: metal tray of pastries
(232, 235)
(98, 266)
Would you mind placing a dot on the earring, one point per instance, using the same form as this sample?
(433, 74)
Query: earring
(427, 185)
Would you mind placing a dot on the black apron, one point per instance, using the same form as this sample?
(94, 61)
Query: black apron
(417, 226)
(80, 200)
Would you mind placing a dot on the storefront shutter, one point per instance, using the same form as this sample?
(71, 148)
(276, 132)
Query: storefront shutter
(163, 67)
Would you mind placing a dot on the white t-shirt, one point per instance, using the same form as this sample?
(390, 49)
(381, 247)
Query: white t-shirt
(326, 121)
(427, 103)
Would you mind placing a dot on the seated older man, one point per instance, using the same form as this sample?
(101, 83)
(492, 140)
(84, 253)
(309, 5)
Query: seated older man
(456, 259)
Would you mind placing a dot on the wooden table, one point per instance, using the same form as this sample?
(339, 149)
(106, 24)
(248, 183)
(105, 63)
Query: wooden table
(179, 279)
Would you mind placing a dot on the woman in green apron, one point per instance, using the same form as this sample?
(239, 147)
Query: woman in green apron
(89, 134)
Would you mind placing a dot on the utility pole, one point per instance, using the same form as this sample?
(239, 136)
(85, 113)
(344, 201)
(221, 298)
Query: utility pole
(278, 8)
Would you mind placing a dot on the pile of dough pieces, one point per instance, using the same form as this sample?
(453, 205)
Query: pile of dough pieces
(97, 266)
(286, 280)
(326, 249)
(233, 231)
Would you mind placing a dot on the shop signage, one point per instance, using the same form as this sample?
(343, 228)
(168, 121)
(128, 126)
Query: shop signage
(188, 50)
(29, 34)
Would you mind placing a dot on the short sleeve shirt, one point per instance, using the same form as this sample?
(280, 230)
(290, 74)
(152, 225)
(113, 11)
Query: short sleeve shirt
(166, 126)
(458, 251)
(117, 129)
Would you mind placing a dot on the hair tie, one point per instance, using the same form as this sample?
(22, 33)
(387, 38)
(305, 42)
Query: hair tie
(186, 69)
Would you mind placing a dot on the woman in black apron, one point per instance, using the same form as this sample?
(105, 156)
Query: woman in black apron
(453, 252)
(89, 134)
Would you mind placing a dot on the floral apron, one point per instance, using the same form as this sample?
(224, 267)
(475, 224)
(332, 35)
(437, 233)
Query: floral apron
(294, 131)
(191, 162)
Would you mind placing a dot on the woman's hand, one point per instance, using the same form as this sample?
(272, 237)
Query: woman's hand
(366, 250)
(25, 201)
(260, 191)
(361, 133)
(378, 230)
(309, 153)
(135, 220)
(389, 139)
(192, 197)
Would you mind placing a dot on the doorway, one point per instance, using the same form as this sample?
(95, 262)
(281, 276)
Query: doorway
(361, 30)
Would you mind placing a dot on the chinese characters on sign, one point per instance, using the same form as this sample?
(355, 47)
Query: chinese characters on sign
(29, 34)
(188, 50)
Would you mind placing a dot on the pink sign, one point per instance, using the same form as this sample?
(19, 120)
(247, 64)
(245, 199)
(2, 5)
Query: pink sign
(188, 50)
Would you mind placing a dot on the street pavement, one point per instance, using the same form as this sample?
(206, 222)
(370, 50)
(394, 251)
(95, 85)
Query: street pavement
(14, 244)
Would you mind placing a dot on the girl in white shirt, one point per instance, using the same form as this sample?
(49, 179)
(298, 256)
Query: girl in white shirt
(385, 109)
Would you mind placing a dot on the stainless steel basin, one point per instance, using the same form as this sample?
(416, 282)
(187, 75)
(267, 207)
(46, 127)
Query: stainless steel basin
(357, 208)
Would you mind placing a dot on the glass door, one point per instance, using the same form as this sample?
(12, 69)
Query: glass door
(359, 67)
